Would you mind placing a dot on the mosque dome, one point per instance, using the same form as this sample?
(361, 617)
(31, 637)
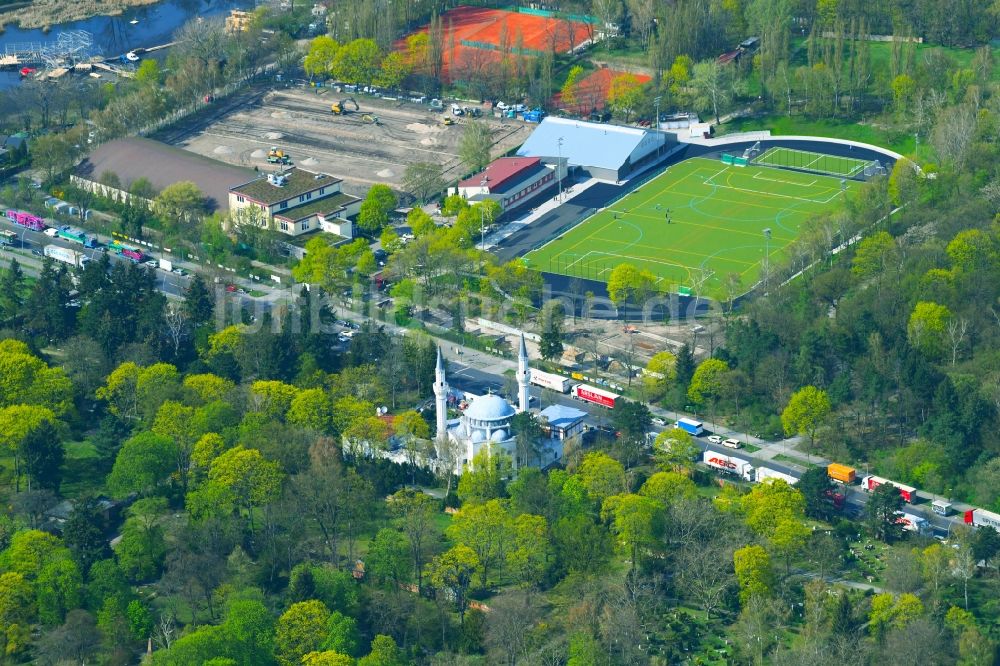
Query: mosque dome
(499, 435)
(489, 408)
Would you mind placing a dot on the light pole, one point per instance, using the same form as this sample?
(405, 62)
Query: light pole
(559, 142)
(767, 255)
(656, 102)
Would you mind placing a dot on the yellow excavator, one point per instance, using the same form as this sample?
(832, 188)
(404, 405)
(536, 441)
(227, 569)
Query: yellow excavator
(371, 118)
(277, 156)
(340, 108)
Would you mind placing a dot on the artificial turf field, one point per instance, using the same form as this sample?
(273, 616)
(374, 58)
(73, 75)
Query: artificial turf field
(717, 216)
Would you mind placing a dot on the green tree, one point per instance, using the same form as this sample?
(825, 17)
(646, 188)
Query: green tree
(384, 652)
(669, 487)
(388, 555)
(486, 529)
(550, 346)
(53, 153)
(567, 93)
(148, 74)
(529, 556)
(421, 224)
(753, 572)
(884, 504)
(626, 283)
(415, 512)
(394, 69)
(637, 521)
(815, 486)
(625, 94)
(873, 255)
(708, 382)
(357, 61)
(602, 476)
(423, 180)
(341, 634)
(12, 290)
(143, 462)
(675, 450)
(42, 452)
(83, 533)
(17, 423)
(375, 209)
(661, 371)
(181, 206)
(807, 411)
(311, 408)
(17, 607)
(198, 302)
(475, 145)
(451, 572)
(632, 420)
(26, 380)
(769, 503)
(927, 328)
(239, 479)
(300, 630)
(58, 590)
(485, 479)
(321, 56)
(712, 84)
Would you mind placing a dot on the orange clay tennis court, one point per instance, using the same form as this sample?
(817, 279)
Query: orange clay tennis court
(477, 29)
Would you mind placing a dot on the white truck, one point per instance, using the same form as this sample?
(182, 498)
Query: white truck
(729, 464)
(913, 523)
(65, 255)
(765, 473)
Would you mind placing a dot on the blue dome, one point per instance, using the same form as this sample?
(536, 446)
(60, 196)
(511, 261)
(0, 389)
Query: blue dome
(489, 408)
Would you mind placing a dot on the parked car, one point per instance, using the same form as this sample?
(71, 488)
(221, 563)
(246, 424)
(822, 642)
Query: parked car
(658, 421)
(732, 443)
(715, 439)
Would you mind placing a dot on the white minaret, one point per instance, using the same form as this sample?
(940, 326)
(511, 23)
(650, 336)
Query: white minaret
(523, 378)
(441, 398)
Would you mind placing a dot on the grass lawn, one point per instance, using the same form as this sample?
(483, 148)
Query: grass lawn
(81, 473)
(698, 215)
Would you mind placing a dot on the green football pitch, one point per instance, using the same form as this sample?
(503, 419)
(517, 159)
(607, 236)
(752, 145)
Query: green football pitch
(700, 219)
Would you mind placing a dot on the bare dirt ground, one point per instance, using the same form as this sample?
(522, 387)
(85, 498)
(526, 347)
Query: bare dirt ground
(300, 122)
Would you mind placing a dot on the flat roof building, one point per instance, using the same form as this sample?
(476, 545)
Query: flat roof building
(513, 181)
(608, 152)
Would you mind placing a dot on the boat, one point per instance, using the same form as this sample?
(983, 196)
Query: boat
(133, 21)
(27, 71)
(132, 56)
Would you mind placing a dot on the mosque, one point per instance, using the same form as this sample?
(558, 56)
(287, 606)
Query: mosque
(485, 423)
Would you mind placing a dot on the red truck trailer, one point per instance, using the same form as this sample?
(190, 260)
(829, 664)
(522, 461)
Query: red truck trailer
(871, 482)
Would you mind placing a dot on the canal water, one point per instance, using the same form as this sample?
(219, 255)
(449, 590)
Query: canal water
(115, 35)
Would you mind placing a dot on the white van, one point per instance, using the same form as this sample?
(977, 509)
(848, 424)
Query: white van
(456, 110)
(51, 232)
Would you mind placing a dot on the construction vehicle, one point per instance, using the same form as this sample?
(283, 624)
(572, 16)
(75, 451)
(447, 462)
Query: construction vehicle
(340, 108)
(447, 120)
(277, 156)
(371, 118)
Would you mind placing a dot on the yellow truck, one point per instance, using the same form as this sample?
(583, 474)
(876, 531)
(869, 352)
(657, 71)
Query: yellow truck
(841, 473)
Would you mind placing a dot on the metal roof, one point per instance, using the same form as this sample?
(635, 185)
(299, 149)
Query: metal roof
(586, 144)
(562, 416)
(500, 171)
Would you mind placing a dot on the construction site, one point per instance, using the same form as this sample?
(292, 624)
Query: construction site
(363, 139)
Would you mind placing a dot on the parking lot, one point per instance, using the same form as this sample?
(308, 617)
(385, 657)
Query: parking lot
(300, 122)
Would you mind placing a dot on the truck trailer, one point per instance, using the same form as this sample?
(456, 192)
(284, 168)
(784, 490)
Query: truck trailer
(551, 381)
(765, 473)
(982, 518)
(595, 395)
(841, 473)
(871, 482)
(690, 426)
(729, 464)
(67, 256)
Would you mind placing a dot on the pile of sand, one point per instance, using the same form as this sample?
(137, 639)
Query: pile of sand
(309, 161)
(385, 173)
(274, 136)
(259, 154)
(223, 150)
(279, 114)
(420, 128)
(428, 141)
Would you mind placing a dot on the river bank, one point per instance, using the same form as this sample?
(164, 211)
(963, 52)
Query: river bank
(47, 13)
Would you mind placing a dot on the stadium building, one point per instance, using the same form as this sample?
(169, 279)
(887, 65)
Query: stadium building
(607, 152)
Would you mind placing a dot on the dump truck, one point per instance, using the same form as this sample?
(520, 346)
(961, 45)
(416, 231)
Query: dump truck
(841, 473)
(340, 108)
